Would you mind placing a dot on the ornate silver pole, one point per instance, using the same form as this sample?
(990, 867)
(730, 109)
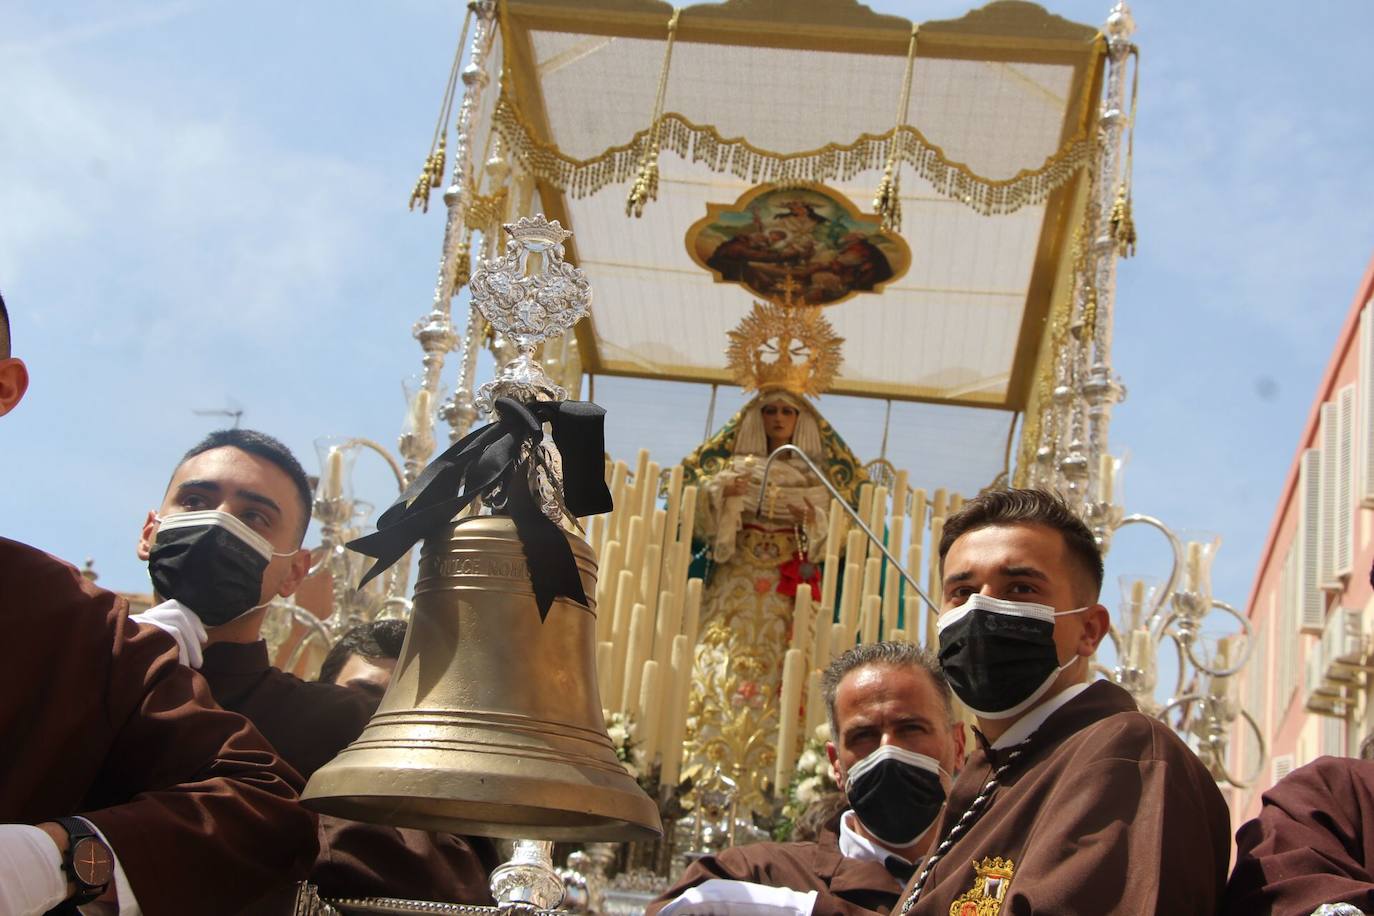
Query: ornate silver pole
(1099, 388)
(459, 411)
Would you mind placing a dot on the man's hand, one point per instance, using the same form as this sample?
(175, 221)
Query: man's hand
(31, 877)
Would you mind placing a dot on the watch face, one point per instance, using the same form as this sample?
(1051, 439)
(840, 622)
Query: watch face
(92, 862)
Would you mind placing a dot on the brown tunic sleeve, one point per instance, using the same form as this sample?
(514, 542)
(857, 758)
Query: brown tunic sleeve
(200, 811)
(1312, 843)
(371, 860)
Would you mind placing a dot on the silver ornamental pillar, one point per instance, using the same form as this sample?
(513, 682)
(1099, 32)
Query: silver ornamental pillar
(459, 412)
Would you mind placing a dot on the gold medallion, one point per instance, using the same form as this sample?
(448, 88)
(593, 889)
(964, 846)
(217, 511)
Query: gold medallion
(989, 888)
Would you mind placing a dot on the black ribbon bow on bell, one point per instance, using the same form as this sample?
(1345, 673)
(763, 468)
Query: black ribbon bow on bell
(505, 453)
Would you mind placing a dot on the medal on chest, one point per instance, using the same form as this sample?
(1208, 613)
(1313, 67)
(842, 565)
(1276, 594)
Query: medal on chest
(992, 878)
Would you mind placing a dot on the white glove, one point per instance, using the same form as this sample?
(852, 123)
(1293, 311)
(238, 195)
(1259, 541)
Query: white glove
(720, 897)
(31, 877)
(181, 623)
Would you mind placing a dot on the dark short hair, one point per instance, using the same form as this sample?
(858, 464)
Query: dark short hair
(4, 330)
(892, 654)
(1028, 507)
(378, 639)
(265, 447)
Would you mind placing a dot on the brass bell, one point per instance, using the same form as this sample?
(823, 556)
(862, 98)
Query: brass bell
(492, 724)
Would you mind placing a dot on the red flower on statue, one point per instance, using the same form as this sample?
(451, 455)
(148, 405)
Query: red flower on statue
(761, 586)
(796, 571)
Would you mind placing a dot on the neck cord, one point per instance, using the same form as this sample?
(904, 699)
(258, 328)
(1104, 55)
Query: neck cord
(975, 810)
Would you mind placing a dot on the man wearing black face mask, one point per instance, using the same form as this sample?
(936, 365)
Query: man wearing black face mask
(895, 746)
(1073, 802)
(225, 541)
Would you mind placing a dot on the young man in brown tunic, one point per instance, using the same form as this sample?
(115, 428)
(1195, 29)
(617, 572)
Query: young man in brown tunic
(188, 807)
(226, 540)
(1073, 802)
(1312, 844)
(886, 697)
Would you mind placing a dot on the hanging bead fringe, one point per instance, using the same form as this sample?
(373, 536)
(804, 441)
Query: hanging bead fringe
(887, 203)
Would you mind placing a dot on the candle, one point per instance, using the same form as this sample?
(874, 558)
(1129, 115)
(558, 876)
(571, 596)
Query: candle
(597, 538)
(899, 492)
(934, 587)
(820, 655)
(689, 513)
(666, 626)
(815, 703)
(854, 547)
(937, 504)
(676, 729)
(607, 583)
(648, 575)
(691, 611)
(873, 606)
(849, 601)
(333, 478)
(873, 576)
(648, 493)
(635, 543)
(841, 638)
(620, 630)
(877, 511)
(918, 513)
(801, 620)
(830, 574)
(835, 526)
(650, 712)
(619, 473)
(1106, 468)
(1137, 600)
(419, 411)
(892, 580)
(956, 502)
(788, 712)
(640, 632)
(659, 522)
(604, 669)
(674, 505)
(1139, 648)
(1193, 570)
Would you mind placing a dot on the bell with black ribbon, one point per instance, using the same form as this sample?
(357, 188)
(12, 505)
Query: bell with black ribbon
(492, 724)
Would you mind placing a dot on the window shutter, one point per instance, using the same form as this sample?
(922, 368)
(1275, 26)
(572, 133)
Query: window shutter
(1310, 601)
(1280, 766)
(1366, 407)
(1345, 482)
(1329, 435)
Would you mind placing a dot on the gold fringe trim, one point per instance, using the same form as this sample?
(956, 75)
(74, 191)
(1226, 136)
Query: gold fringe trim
(702, 143)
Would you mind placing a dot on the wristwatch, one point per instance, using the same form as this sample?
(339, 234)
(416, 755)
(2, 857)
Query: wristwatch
(88, 862)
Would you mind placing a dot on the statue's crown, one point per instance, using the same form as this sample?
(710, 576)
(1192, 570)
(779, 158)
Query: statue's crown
(780, 345)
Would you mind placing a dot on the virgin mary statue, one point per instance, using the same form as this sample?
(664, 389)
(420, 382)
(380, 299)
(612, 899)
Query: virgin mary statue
(760, 549)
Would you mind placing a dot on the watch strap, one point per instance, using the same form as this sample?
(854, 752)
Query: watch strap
(78, 830)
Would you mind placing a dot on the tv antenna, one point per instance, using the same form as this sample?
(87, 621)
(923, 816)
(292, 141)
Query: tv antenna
(232, 409)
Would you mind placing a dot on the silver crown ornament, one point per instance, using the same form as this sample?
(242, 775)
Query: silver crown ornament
(530, 308)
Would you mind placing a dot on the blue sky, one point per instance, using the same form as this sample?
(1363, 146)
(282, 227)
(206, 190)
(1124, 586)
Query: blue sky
(204, 203)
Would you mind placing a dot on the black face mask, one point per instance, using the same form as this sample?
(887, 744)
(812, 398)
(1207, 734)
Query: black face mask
(999, 656)
(211, 562)
(896, 793)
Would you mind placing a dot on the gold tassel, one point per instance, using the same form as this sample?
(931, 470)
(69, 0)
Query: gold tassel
(645, 187)
(437, 161)
(419, 196)
(462, 272)
(1123, 224)
(887, 203)
(432, 175)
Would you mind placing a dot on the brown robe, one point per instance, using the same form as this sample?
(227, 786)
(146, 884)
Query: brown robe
(845, 886)
(1105, 811)
(1312, 843)
(98, 719)
(309, 723)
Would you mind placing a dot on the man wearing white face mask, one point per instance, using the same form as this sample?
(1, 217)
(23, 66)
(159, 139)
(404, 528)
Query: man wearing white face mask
(895, 746)
(1073, 802)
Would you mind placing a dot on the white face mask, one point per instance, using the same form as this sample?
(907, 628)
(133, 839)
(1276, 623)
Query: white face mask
(1000, 655)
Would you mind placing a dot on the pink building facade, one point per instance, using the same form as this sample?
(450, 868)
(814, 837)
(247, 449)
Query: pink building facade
(1310, 609)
